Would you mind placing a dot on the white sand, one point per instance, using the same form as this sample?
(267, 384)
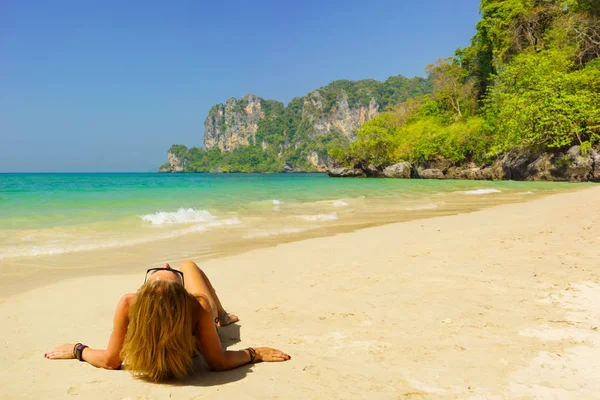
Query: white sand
(497, 304)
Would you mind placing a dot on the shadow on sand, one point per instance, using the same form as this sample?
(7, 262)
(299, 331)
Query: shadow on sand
(203, 376)
(230, 335)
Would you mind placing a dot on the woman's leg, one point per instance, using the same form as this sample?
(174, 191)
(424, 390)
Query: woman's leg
(196, 282)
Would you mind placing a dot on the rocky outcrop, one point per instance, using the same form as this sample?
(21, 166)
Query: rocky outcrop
(373, 171)
(289, 168)
(236, 122)
(341, 118)
(572, 166)
(175, 163)
(514, 165)
(596, 173)
(541, 168)
(400, 170)
(318, 163)
(471, 171)
(233, 124)
(465, 173)
(439, 164)
(431, 173)
(323, 111)
(346, 173)
(579, 166)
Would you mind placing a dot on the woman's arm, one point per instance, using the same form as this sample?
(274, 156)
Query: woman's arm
(210, 345)
(109, 358)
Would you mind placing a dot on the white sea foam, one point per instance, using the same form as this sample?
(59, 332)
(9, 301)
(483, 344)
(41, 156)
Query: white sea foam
(529, 192)
(320, 217)
(339, 203)
(181, 216)
(257, 233)
(55, 248)
(276, 202)
(481, 191)
(422, 207)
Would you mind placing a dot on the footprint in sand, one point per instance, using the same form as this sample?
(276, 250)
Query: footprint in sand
(76, 390)
(414, 395)
(73, 390)
(312, 370)
(266, 309)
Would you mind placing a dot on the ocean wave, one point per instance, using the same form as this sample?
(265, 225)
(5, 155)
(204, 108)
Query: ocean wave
(340, 203)
(59, 248)
(181, 216)
(276, 202)
(258, 233)
(529, 192)
(320, 217)
(481, 191)
(55, 249)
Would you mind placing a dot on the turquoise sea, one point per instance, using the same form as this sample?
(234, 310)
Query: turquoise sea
(51, 214)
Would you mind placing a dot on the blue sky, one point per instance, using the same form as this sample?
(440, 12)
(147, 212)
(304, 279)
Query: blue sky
(109, 85)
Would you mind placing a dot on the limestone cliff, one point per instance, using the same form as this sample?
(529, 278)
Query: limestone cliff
(233, 124)
(251, 134)
(337, 109)
(175, 163)
(236, 122)
(340, 117)
(317, 162)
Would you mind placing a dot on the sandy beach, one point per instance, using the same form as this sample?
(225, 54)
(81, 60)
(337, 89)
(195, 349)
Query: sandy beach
(502, 303)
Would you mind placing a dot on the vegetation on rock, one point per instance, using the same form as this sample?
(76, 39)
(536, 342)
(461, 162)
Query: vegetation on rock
(530, 80)
(529, 83)
(291, 135)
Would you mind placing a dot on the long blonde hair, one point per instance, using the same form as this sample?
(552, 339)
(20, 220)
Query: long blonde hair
(159, 343)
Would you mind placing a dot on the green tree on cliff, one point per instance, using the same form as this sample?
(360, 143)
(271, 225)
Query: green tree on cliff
(530, 79)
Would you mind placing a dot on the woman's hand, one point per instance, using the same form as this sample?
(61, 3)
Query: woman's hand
(63, 352)
(270, 355)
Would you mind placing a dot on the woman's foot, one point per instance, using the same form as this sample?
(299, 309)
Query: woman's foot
(227, 319)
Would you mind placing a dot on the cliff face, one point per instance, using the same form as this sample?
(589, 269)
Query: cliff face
(175, 163)
(341, 117)
(268, 135)
(318, 163)
(233, 124)
(236, 122)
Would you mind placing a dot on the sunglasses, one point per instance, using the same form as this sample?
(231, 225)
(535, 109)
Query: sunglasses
(152, 270)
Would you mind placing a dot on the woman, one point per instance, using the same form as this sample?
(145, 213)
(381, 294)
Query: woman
(158, 330)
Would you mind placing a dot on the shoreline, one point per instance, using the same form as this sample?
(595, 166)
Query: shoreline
(491, 304)
(42, 270)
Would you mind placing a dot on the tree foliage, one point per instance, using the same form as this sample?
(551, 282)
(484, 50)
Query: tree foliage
(540, 101)
(450, 88)
(529, 79)
(241, 159)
